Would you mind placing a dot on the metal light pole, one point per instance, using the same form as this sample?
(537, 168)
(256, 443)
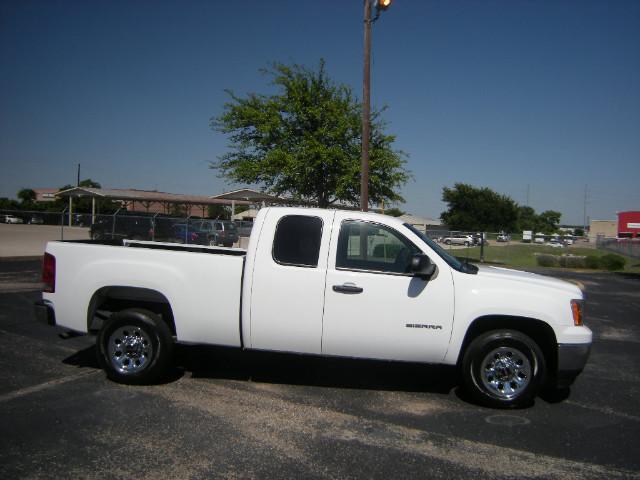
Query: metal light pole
(366, 99)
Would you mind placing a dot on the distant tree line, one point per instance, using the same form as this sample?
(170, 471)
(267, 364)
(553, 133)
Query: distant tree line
(481, 209)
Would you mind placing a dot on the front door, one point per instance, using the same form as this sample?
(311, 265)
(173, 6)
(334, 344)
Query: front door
(374, 308)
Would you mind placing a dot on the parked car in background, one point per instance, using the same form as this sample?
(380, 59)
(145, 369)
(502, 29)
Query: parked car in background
(555, 243)
(35, 220)
(244, 227)
(568, 240)
(190, 233)
(539, 238)
(134, 226)
(12, 219)
(465, 240)
(503, 237)
(220, 232)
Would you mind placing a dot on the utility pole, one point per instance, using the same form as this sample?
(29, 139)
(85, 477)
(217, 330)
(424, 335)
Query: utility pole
(366, 110)
(78, 182)
(585, 209)
(366, 99)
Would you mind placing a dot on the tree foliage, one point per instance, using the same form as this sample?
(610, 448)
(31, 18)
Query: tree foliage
(481, 209)
(478, 209)
(305, 141)
(394, 212)
(545, 222)
(221, 212)
(27, 196)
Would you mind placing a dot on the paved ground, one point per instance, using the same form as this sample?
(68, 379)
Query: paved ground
(227, 414)
(24, 241)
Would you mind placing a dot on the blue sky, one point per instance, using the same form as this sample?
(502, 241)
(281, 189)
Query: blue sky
(513, 95)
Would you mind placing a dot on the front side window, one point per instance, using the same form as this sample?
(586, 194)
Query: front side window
(297, 241)
(373, 247)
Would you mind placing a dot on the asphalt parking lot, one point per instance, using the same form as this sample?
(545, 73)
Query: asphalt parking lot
(231, 414)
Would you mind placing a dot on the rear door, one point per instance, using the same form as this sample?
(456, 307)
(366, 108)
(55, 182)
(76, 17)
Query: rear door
(288, 279)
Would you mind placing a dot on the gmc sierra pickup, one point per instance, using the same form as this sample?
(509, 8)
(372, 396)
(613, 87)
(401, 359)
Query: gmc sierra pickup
(324, 282)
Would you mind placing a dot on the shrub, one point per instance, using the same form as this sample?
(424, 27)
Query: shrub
(592, 262)
(612, 262)
(547, 260)
(572, 261)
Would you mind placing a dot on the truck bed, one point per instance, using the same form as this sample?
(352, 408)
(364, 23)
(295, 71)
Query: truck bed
(201, 284)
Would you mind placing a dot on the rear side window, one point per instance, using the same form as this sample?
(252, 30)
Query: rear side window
(297, 241)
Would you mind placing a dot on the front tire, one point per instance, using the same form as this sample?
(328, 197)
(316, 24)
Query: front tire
(135, 347)
(503, 369)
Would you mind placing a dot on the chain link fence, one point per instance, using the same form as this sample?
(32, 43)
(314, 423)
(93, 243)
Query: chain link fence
(123, 224)
(624, 246)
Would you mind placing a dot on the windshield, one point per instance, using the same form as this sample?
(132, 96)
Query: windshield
(446, 256)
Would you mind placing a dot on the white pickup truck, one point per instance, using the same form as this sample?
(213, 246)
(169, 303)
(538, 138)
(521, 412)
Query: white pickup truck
(320, 282)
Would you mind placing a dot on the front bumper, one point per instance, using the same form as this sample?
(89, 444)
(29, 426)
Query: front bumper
(572, 357)
(44, 312)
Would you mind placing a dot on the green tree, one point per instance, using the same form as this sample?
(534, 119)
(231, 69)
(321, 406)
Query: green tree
(548, 221)
(394, 212)
(221, 212)
(27, 196)
(527, 219)
(481, 209)
(8, 204)
(305, 141)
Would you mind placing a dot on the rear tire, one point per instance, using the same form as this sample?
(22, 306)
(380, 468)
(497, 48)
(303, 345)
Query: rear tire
(135, 347)
(503, 369)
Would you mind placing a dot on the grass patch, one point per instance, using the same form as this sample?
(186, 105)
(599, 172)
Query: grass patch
(525, 256)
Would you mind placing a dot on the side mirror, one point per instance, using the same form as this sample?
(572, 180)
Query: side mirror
(422, 267)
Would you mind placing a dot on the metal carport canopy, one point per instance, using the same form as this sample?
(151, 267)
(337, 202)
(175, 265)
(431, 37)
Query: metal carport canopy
(142, 196)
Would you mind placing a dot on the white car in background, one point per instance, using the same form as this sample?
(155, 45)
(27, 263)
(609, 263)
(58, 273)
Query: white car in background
(12, 219)
(466, 240)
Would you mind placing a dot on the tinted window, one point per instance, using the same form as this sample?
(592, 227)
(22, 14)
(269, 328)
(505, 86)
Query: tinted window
(297, 240)
(372, 247)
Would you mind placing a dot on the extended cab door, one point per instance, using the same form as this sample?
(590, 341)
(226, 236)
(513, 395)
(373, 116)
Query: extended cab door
(374, 308)
(288, 278)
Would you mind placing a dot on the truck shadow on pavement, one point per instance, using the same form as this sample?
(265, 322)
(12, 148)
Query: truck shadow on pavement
(280, 368)
(308, 370)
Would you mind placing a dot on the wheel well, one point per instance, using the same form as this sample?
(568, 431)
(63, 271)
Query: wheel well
(109, 300)
(539, 331)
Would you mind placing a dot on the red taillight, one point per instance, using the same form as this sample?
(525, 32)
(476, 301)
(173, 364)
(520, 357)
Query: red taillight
(49, 273)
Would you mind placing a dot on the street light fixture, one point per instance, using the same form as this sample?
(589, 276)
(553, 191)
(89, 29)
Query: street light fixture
(381, 5)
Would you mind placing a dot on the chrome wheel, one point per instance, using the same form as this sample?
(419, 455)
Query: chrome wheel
(129, 349)
(506, 372)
